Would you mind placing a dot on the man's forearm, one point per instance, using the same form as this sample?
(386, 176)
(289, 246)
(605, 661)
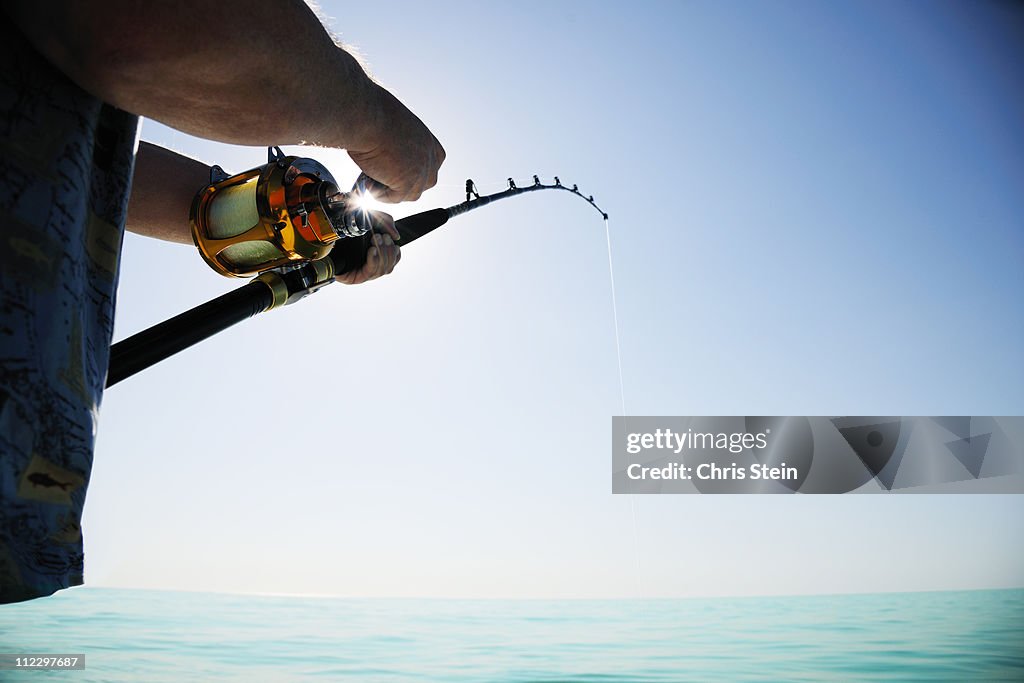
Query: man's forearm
(252, 73)
(162, 191)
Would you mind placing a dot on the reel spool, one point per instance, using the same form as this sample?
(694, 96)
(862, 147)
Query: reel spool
(284, 213)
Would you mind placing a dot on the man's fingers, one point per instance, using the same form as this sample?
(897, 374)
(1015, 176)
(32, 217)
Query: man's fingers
(371, 268)
(386, 258)
(403, 155)
(372, 264)
(398, 256)
(406, 187)
(367, 184)
(377, 263)
(390, 254)
(381, 259)
(396, 195)
(386, 223)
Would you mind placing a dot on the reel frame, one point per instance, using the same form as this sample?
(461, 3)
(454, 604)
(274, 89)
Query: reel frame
(289, 196)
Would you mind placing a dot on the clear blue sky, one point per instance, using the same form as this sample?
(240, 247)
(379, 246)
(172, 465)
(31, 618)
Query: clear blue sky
(816, 209)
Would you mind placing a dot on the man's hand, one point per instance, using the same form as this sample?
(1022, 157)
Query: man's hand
(403, 156)
(383, 254)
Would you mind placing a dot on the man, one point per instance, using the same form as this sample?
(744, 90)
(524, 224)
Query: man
(75, 77)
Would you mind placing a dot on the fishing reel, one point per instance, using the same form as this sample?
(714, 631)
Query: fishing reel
(282, 214)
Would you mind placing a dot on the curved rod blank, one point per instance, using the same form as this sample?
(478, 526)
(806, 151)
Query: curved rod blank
(474, 200)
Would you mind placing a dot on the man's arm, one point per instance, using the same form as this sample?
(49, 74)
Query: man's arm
(251, 73)
(163, 187)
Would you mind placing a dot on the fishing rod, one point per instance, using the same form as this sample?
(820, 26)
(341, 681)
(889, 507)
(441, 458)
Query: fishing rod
(289, 226)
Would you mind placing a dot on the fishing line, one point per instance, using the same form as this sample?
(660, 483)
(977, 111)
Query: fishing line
(615, 316)
(622, 397)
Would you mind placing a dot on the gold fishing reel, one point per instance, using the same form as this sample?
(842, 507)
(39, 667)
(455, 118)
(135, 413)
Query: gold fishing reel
(284, 213)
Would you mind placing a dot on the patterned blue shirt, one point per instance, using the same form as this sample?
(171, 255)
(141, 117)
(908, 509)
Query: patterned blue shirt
(65, 176)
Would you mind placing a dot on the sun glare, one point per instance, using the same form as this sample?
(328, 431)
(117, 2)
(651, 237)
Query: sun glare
(366, 202)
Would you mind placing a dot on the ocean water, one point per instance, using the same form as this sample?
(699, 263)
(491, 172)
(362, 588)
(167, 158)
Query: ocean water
(129, 635)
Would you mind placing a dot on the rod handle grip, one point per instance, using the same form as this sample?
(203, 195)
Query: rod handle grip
(413, 227)
(350, 253)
